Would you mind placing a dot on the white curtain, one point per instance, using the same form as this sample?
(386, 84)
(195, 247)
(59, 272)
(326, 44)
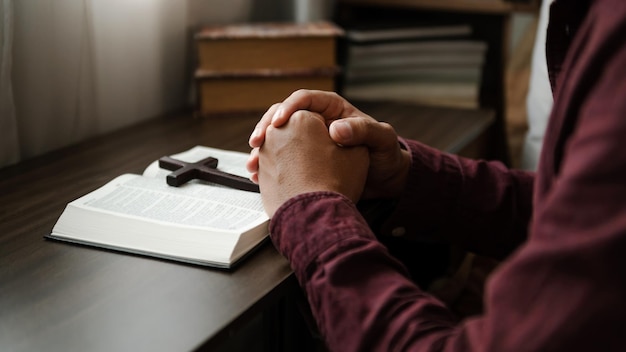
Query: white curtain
(71, 69)
(84, 67)
(539, 99)
(53, 74)
(9, 145)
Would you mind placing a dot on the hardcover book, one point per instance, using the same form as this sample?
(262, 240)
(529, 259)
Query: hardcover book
(249, 67)
(274, 46)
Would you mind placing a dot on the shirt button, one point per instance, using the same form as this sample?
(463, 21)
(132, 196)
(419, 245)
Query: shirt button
(398, 231)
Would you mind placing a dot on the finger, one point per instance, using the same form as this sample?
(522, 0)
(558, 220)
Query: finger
(254, 177)
(252, 164)
(258, 134)
(363, 131)
(328, 104)
(307, 114)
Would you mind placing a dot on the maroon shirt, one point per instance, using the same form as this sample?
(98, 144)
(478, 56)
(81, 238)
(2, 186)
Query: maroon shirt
(562, 286)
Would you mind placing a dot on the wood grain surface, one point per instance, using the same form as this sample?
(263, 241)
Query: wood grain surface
(62, 297)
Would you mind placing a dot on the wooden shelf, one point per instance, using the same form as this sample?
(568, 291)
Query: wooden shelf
(476, 6)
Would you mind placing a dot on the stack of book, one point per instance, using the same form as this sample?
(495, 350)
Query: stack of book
(249, 67)
(429, 65)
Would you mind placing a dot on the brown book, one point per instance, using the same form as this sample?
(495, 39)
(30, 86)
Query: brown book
(267, 46)
(256, 90)
(249, 67)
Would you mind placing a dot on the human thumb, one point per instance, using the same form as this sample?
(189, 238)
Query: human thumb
(354, 131)
(341, 132)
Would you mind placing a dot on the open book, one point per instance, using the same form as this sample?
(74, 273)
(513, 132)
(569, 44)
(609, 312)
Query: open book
(198, 222)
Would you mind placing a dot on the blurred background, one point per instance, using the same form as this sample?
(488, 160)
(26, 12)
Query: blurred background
(73, 69)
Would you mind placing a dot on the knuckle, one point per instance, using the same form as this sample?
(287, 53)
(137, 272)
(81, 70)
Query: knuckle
(299, 115)
(301, 92)
(269, 132)
(274, 106)
(387, 128)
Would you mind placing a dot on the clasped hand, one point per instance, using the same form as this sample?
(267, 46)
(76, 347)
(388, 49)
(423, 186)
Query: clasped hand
(318, 141)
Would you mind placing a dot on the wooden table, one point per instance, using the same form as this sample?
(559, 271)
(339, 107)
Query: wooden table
(62, 297)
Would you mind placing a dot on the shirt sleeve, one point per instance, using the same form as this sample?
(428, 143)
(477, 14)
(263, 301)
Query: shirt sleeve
(481, 206)
(554, 297)
(360, 296)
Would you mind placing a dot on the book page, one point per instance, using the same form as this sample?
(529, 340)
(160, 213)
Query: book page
(192, 204)
(228, 161)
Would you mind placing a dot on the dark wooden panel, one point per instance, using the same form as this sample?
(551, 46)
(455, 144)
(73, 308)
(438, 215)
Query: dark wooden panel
(473, 6)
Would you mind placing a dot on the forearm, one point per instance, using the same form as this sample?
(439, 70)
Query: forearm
(360, 296)
(482, 206)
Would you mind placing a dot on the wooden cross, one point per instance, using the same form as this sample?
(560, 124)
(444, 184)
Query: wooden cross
(205, 169)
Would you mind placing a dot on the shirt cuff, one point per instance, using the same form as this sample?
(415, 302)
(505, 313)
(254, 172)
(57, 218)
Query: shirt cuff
(308, 224)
